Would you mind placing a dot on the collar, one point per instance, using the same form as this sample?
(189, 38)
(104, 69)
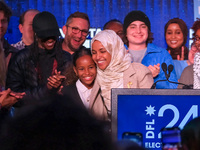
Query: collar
(81, 87)
(151, 48)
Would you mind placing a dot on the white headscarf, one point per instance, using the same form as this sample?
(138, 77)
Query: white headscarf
(112, 76)
(196, 69)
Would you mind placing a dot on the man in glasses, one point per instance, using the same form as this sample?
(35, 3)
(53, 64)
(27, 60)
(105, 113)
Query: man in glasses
(30, 69)
(76, 30)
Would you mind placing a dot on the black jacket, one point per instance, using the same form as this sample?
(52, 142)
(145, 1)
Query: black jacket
(23, 76)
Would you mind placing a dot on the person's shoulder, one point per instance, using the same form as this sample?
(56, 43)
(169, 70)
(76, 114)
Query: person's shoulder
(188, 69)
(22, 54)
(139, 68)
(156, 48)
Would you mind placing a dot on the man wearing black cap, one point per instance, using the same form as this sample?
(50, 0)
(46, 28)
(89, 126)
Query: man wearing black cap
(31, 67)
(137, 29)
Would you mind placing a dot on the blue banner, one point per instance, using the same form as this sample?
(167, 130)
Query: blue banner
(148, 114)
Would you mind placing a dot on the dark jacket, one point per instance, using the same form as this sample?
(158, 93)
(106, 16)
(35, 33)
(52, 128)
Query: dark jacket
(22, 73)
(8, 48)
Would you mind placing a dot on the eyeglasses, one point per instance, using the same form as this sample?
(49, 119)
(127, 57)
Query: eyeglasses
(196, 39)
(76, 30)
(120, 33)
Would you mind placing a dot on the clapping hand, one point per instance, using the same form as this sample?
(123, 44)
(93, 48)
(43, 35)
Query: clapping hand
(155, 70)
(56, 80)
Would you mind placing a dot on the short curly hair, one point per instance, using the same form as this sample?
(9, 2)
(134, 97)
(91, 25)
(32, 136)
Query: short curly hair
(195, 27)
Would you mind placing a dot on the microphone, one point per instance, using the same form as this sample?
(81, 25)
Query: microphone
(164, 68)
(170, 68)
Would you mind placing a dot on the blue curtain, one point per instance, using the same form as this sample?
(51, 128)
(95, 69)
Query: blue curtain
(101, 11)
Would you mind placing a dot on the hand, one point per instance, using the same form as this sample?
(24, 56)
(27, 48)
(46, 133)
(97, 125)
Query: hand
(60, 90)
(155, 70)
(191, 55)
(17, 95)
(182, 54)
(8, 98)
(55, 81)
(178, 56)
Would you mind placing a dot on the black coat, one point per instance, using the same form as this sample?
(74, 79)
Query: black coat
(22, 74)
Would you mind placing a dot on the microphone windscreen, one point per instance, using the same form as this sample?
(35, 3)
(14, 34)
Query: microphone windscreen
(164, 67)
(170, 68)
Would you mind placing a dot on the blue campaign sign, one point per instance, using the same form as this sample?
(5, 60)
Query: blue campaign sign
(148, 111)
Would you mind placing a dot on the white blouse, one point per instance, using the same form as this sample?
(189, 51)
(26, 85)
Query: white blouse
(84, 93)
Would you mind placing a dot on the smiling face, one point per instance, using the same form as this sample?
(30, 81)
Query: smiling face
(137, 34)
(85, 69)
(73, 41)
(174, 36)
(47, 43)
(100, 55)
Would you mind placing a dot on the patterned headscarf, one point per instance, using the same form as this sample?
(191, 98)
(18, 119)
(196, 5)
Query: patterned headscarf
(112, 76)
(196, 69)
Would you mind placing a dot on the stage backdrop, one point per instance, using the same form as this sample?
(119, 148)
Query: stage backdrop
(101, 11)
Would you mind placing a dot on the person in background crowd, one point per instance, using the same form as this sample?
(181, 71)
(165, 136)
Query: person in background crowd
(31, 67)
(190, 135)
(116, 26)
(3, 69)
(176, 37)
(7, 97)
(54, 123)
(114, 67)
(5, 14)
(26, 28)
(76, 30)
(187, 76)
(137, 29)
(83, 91)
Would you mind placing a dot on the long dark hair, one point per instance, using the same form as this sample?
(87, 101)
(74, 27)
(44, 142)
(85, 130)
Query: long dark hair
(34, 52)
(184, 29)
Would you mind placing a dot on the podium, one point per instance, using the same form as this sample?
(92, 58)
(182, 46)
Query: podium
(148, 110)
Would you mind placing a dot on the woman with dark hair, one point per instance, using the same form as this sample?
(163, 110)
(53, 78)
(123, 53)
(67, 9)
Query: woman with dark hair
(176, 37)
(86, 92)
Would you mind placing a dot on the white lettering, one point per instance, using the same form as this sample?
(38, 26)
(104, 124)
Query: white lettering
(152, 145)
(150, 135)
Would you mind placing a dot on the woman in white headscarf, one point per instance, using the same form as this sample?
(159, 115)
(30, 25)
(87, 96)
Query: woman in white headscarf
(114, 67)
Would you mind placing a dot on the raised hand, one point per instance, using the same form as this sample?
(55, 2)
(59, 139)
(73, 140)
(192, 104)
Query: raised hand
(182, 54)
(191, 55)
